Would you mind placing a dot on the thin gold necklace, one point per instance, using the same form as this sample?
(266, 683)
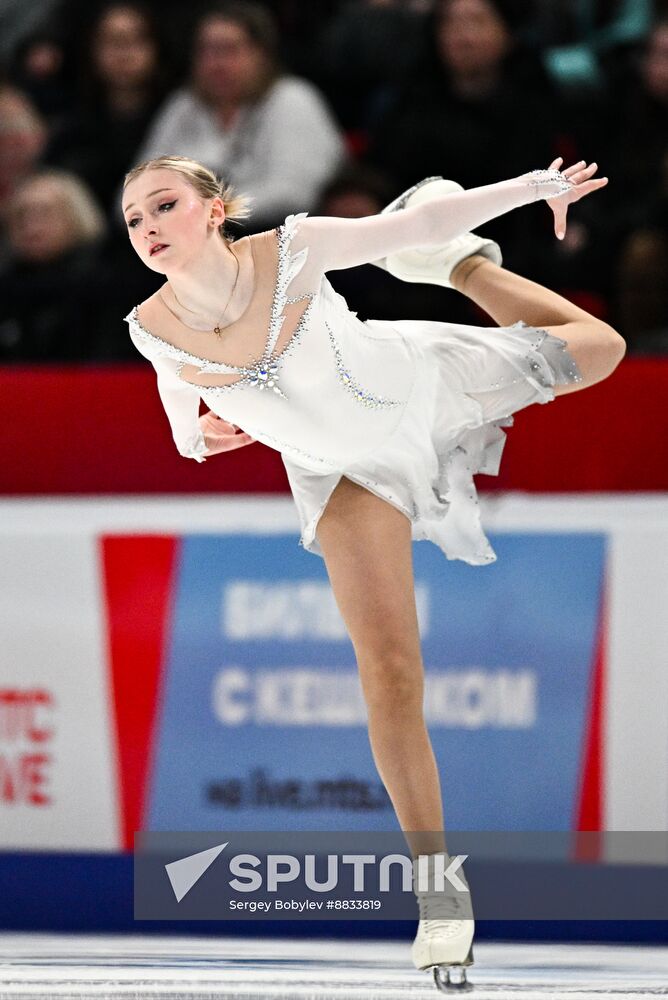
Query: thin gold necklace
(217, 330)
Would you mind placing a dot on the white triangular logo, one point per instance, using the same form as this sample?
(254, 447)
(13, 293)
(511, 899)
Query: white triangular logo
(186, 871)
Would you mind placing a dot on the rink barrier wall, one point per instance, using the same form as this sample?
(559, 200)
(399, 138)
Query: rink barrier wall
(592, 571)
(100, 428)
(92, 893)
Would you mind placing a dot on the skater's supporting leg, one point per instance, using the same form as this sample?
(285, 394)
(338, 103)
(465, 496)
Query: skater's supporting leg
(596, 347)
(366, 543)
(367, 547)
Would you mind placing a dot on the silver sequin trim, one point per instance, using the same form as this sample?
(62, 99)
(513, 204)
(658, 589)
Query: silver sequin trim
(362, 396)
(259, 375)
(285, 446)
(164, 347)
(400, 202)
(567, 370)
(539, 177)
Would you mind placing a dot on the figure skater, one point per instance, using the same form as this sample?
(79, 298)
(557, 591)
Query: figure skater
(381, 425)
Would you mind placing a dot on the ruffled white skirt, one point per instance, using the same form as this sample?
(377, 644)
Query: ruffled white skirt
(470, 382)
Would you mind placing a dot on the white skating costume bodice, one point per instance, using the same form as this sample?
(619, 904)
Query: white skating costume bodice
(389, 404)
(326, 397)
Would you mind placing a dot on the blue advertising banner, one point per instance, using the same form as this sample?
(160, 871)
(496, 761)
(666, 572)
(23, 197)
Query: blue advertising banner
(262, 724)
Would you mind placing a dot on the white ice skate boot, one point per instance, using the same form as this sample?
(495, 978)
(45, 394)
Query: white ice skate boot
(434, 265)
(444, 940)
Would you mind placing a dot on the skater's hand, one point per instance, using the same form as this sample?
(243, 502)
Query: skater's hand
(220, 435)
(582, 178)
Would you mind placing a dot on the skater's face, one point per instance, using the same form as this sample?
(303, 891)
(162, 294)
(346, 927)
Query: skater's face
(168, 222)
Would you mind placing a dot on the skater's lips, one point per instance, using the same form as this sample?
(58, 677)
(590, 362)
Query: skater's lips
(154, 247)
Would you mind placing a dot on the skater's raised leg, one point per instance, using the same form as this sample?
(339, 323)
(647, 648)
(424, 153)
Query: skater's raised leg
(596, 347)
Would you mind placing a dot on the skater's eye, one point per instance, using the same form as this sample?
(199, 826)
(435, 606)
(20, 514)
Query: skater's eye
(166, 205)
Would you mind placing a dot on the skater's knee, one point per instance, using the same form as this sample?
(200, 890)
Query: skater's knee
(391, 678)
(615, 345)
(597, 349)
(608, 349)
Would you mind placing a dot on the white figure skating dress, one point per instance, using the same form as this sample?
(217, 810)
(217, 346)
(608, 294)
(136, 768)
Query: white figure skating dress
(411, 410)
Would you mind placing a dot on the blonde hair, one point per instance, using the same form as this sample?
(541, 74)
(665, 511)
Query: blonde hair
(205, 183)
(86, 218)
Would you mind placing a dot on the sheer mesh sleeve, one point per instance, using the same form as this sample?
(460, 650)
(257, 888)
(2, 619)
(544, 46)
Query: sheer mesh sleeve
(334, 243)
(181, 404)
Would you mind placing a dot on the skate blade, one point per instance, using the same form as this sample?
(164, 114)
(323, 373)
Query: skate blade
(443, 982)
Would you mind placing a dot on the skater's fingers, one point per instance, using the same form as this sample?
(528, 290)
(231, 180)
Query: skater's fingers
(560, 211)
(574, 169)
(238, 441)
(584, 175)
(588, 187)
(556, 163)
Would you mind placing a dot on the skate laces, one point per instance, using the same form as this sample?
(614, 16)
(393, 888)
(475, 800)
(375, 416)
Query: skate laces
(444, 911)
(441, 915)
(439, 906)
(441, 928)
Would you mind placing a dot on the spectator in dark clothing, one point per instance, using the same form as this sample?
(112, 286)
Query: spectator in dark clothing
(630, 221)
(640, 146)
(478, 109)
(76, 19)
(363, 52)
(23, 134)
(40, 69)
(641, 300)
(49, 309)
(123, 82)
(641, 172)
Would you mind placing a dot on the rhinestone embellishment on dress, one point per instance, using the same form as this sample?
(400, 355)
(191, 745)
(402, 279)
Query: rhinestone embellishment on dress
(265, 376)
(362, 396)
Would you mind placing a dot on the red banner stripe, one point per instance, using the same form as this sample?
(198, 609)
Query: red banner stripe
(590, 805)
(138, 583)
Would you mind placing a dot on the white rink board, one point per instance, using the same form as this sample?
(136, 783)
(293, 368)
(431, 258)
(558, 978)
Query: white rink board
(69, 801)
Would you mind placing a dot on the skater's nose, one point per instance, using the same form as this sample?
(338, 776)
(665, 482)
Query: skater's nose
(150, 229)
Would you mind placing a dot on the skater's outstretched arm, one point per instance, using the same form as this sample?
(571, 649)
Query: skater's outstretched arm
(339, 243)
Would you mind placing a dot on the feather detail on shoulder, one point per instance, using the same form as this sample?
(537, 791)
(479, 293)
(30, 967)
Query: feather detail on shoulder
(289, 266)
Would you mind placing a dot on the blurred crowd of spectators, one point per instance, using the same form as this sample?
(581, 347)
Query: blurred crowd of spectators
(330, 107)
